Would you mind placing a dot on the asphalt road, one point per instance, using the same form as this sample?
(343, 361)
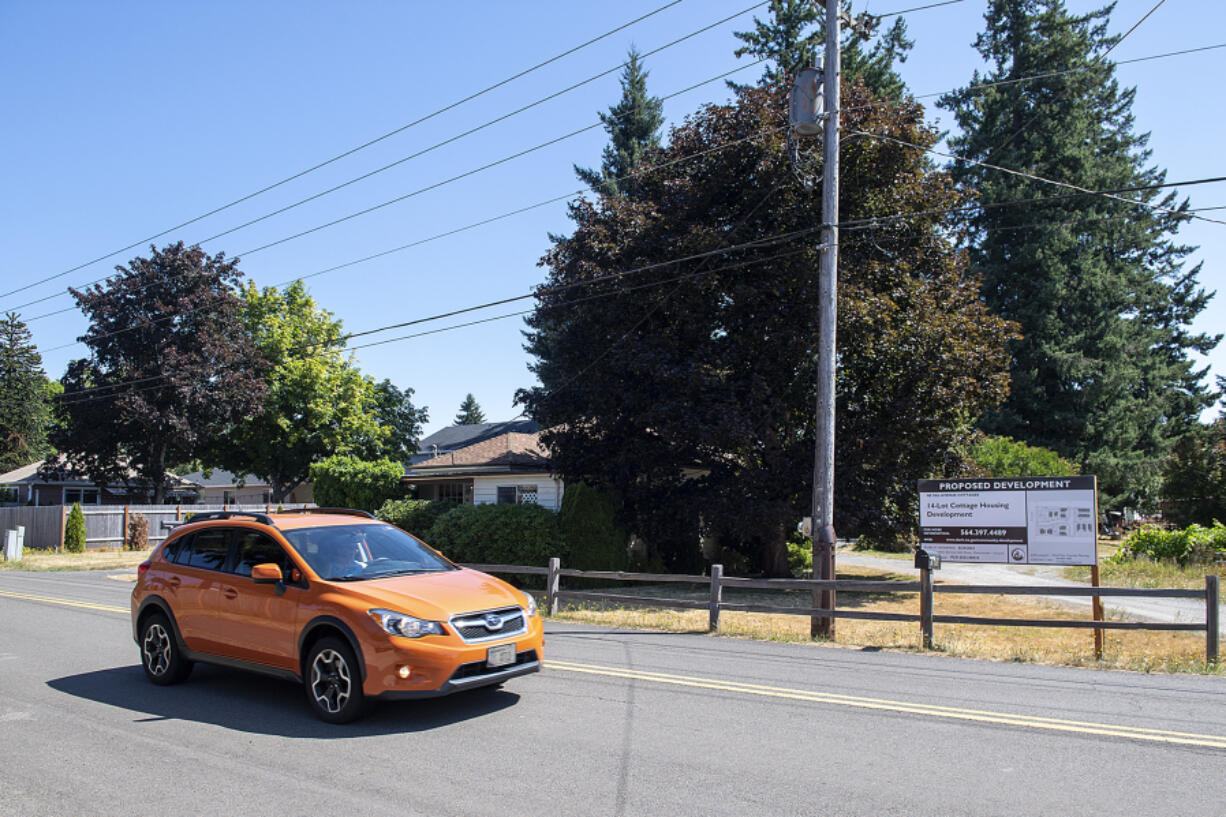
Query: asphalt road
(619, 723)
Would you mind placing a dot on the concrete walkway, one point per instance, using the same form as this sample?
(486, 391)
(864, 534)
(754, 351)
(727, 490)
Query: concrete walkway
(1185, 611)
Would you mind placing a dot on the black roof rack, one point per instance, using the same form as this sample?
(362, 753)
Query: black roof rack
(262, 518)
(341, 511)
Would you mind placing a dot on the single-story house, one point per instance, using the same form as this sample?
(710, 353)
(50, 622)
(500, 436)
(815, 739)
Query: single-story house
(505, 468)
(36, 484)
(224, 488)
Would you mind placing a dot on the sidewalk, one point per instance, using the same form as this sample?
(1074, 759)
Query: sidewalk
(1185, 611)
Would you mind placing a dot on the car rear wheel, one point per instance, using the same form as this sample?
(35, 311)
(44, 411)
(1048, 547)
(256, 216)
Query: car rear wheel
(160, 657)
(334, 682)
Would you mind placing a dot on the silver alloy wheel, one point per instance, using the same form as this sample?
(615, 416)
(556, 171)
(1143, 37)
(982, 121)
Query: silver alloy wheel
(156, 649)
(330, 681)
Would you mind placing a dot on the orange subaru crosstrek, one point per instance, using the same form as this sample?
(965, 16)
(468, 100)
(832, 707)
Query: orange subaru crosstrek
(353, 608)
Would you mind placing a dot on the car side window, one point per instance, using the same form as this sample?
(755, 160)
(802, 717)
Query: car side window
(209, 549)
(172, 550)
(254, 548)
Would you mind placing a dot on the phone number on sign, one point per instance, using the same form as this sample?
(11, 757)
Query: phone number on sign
(982, 532)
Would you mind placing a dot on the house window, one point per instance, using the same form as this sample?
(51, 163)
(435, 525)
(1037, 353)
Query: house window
(227, 497)
(86, 496)
(522, 494)
(266, 497)
(451, 492)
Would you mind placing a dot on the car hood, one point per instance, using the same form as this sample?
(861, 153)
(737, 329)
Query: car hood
(438, 596)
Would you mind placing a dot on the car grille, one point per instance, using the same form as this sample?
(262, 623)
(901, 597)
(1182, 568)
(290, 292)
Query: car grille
(478, 668)
(475, 626)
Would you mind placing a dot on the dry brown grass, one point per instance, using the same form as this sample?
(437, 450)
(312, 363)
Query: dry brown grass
(1143, 651)
(47, 560)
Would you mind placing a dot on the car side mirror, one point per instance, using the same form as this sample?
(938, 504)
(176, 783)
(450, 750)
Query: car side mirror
(267, 573)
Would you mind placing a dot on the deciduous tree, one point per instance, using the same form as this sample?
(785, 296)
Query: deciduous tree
(170, 365)
(318, 403)
(687, 389)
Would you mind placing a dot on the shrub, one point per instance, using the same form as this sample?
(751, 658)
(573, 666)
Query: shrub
(348, 482)
(588, 526)
(498, 534)
(416, 516)
(1007, 457)
(74, 530)
(137, 537)
(1195, 544)
(800, 555)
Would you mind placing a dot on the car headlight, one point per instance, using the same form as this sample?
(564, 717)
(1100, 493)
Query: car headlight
(530, 608)
(402, 624)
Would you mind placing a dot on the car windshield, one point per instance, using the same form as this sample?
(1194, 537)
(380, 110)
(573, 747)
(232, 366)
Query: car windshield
(359, 552)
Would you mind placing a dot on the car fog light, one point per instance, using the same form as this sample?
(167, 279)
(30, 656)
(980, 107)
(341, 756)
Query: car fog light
(403, 671)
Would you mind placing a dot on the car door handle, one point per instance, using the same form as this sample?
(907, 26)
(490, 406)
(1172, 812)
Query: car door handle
(173, 581)
(230, 593)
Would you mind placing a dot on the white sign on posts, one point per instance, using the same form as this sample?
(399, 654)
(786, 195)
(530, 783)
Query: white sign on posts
(1014, 520)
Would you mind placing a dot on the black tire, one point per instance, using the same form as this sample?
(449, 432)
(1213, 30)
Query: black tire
(333, 681)
(160, 656)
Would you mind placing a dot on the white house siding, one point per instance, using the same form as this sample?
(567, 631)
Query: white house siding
(549, 490)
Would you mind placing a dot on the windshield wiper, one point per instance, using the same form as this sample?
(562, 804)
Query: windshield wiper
(401, 572)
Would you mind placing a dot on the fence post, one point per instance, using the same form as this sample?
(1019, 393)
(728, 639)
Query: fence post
(123, 544)
(926, 606)
(1211, 618)
(717, 596)
(63, 527)
(178, 513)
(551, 585)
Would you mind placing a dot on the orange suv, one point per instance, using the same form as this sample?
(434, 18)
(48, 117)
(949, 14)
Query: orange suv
(351, 607)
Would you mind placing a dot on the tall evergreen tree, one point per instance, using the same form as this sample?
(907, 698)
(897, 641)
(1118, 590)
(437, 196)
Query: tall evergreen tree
(633, 125)
(784, 42)
(25, 411)
(470, 412)
(1102, 373)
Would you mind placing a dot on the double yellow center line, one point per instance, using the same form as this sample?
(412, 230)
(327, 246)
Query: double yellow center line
(87, 605)
(809, 696)
(929, 710)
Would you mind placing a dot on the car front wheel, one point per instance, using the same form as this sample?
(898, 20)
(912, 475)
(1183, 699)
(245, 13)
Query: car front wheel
(160, 657)
(333, 681)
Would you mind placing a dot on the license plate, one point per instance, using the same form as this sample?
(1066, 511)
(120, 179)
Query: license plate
(500, 656)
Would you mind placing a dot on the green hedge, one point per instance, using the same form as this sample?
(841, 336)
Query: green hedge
(417, 516)
(498, 534)
(1007, 457)
(1194, 544)
(593, 539)
(348, 482)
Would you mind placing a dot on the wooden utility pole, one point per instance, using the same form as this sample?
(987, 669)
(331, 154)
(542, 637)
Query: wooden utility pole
(823, 468)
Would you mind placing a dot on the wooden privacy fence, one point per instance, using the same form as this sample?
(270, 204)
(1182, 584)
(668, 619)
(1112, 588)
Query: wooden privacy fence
(926, 617)
(106, 526)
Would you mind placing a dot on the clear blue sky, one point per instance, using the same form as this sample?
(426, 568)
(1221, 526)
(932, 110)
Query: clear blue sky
(126, 118)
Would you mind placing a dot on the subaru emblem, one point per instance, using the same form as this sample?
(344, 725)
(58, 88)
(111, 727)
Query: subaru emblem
(493, 621)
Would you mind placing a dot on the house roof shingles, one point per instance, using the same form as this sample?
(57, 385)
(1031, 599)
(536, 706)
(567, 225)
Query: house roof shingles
(515, 451)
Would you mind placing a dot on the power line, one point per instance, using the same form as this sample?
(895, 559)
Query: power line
(427, 150)
(1102, 56)
(861, 224)
(1034, 177)
(412, 194)
(352, 151)
(975, 88)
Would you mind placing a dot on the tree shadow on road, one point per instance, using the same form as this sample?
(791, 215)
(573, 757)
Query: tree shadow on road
(247, 702)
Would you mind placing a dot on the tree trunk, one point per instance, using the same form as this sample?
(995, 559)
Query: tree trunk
(157, 473)
(775, 557)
